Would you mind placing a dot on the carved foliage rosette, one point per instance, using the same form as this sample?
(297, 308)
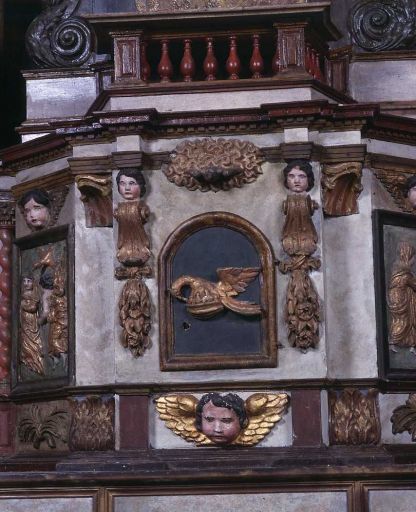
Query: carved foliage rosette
(213, 164)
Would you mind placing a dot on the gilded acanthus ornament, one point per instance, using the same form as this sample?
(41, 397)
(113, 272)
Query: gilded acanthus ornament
(221, 420)
(379, 25)
(213, 164)
(207, 299)
(57, 38)
(299, 241)
(92, 425)
(341, 185)
(354, 417)
(43, 424)
(404, 417)
(135, 316)
(401, 299)
(29, 335)
(96, 196)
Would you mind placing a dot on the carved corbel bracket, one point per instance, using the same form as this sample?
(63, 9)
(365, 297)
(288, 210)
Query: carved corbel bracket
(96, 194)
(214, 164)
(57, 38)
(354, 417)
(341, 185)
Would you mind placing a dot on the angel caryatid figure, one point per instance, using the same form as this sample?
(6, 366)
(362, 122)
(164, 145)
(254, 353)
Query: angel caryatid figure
(401, 299)
(207, 299)
(222, 420)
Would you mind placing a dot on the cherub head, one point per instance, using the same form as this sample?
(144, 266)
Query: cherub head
(36, 206)
(298, 176)
(410, 190)
(221, 418)
(131, 184)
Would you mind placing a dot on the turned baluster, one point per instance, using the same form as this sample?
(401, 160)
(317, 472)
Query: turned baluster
(144, 64)
(308, 60)
(276, 59)
(165, 68)
(256, 61)
(210, 64)
(319, 75)
(187, 66)
(233, 65)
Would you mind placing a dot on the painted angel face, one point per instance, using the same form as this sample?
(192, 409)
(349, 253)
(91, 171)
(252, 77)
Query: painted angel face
(37, 215)
(411, 195)
(297, 180)
(220, 424)
(128, 188)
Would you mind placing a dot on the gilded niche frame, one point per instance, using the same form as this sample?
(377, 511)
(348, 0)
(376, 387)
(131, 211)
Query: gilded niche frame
(395, 286)
(57, 245)
(265, 355)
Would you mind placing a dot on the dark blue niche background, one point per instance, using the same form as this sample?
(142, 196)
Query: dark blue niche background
(226, 333)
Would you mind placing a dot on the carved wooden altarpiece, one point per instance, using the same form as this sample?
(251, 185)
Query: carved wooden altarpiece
(206, 322)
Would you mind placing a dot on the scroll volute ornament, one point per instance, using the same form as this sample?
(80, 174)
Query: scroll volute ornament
(341, 184)
(222, 420)
(213, 164)
(354, 417)
(404, 417)
(299, 241)
(96, 196)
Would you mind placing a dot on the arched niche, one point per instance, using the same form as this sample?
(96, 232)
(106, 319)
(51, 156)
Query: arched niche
(228, 339)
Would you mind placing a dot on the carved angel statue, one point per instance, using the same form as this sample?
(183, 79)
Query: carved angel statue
(222, 419)
(207, 299)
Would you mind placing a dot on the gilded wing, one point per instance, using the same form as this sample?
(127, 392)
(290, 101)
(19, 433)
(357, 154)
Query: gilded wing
(178, 413)
(395, 185)
(234, 280)
(264, 410)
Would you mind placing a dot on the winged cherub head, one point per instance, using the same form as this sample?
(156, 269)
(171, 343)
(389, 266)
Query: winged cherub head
(221, 418)
(36, 206)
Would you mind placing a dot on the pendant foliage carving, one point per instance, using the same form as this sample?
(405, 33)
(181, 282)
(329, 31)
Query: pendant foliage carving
(92, 425)
(135, 316)
(57, 38)
(380, 25)
(213, 164)
(341, 184)
(354, 417)
(404, 417)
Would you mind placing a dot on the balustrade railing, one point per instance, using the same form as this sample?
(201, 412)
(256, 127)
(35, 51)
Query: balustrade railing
(248, 54)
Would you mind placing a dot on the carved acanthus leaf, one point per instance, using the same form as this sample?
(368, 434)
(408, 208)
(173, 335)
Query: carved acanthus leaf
(341, 185)
(379, 25)
(213, 164)
(404, 417)
(43, 424)
(354, 417)
(96, 196)
(92, 426)
(395, 183)
(57, 38)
